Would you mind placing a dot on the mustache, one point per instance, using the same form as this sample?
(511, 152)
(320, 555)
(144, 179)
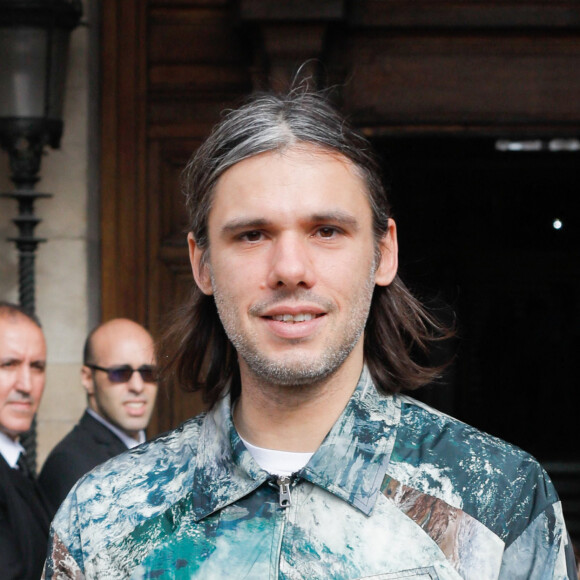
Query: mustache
(19, 397)
(288, 297)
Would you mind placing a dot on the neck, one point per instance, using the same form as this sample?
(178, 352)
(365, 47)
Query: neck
(290, 418)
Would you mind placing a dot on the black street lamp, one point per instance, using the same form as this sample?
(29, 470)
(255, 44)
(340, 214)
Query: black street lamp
(34, 40)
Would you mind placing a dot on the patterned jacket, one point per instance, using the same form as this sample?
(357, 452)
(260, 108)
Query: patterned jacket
(396, 490)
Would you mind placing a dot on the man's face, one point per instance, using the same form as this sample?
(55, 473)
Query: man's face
(127, 405)
(22, 373)
(292, 263)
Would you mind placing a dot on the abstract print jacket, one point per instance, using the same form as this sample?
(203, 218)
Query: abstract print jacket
(397, 490)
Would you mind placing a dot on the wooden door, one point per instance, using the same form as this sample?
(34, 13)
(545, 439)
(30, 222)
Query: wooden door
(403, 70)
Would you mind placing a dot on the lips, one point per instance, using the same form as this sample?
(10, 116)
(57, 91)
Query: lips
(294, 326)
(135, 408)
(21, 406)
(293, 318)
(297, 311)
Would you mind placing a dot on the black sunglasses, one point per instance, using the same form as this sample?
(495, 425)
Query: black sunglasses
(123, 373)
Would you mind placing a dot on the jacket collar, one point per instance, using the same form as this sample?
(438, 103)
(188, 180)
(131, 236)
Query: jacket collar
(350, 463)
(128, 442)
(353, 458)
(225, 471)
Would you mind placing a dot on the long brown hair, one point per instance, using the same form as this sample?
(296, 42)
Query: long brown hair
(195, 352)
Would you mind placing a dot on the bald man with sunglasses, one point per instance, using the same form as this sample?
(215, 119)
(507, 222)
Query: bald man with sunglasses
(119, 376)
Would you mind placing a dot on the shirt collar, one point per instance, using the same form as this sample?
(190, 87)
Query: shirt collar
(10, 449)
(362, 438)
(128, 441)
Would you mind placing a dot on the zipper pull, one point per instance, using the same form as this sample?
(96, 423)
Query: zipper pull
(284, 482)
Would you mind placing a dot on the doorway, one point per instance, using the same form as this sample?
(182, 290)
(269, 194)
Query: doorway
(489, 232)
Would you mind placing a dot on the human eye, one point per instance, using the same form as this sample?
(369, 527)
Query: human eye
(8, 363)
(327, 232)
(251, 236)
(39, 366)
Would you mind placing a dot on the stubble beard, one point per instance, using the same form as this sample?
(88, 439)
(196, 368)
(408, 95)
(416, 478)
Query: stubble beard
(296, 369)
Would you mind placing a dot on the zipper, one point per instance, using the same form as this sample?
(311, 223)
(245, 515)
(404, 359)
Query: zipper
(284, 498)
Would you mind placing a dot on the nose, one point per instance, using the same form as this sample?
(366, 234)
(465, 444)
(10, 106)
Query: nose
(136, 384)
(291, 264)
(24, 379)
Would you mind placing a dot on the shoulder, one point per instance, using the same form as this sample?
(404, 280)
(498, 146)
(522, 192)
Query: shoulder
(68, 453)
(70, 459)
(492, 480)
(140, 483)
(447, 440)
(150, 465)
(76, 437)
(69, 443)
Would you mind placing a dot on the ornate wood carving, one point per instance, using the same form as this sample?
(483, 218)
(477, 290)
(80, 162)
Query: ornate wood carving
(289, 36)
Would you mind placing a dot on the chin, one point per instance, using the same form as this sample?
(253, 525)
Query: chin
(20, 426)
(139, 426)
(298, 374)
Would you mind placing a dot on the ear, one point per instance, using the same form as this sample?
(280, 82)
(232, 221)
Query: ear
(198, 266)
(87, 380)
(389, 262)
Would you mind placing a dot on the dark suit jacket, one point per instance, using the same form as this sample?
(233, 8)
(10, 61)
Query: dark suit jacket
(89, 444)
(24, 523)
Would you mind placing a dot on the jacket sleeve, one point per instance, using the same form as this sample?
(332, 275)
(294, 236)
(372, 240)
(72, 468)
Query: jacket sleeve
(543, 551)
(64, 559)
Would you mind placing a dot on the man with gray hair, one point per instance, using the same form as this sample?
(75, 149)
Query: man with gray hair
(310, 462)
(24, 516)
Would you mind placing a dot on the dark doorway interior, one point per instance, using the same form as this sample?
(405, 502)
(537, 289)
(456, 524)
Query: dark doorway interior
(478, 233)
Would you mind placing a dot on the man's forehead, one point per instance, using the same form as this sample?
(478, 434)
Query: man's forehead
(311, 173)
(15, 320)
(299, 154)
(120, 332)
(15, 328)
(115, 338)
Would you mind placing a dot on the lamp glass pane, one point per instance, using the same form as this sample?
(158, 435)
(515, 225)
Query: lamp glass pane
(22, 71)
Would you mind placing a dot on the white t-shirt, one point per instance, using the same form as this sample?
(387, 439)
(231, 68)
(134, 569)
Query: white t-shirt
(277, 462)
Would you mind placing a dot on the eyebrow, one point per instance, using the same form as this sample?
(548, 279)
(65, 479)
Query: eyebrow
(338, 217)
(19, 359)
(238, 224)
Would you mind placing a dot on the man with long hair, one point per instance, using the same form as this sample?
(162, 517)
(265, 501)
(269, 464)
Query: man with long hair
(310, 462)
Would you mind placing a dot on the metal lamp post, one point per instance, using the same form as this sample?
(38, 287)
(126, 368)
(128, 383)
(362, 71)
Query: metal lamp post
(34, 40)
